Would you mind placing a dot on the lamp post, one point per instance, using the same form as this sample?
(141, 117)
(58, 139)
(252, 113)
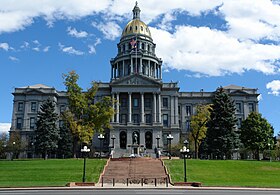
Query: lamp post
(185, 151)
(32, 148)
(113, 141)
(14, 143)
(101, 138)
(269, 152)
(169, 138)
(158, 138)
(85, 150)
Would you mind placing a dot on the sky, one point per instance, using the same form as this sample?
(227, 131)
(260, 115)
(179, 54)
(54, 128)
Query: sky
(204, 44)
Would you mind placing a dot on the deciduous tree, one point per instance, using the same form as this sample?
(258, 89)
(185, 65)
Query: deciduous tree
(256, 133)
(198, 125)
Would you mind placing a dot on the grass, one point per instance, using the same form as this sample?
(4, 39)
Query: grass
(22, 173)
(227, 173)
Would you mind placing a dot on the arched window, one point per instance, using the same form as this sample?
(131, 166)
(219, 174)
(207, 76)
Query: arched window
(136, 28)
(123, 140)
(130, 29)
(149, 140)
(141, 28)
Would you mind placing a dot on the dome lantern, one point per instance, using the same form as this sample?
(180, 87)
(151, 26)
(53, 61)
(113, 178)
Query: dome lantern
(136, 12)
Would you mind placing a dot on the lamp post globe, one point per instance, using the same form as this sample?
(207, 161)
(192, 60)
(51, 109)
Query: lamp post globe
(84, 150)
(169, 138)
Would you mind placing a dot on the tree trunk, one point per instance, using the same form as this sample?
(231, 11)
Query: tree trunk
(196, 149)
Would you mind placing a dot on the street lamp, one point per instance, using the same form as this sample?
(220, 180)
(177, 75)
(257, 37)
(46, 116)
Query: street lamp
(158, 138)
(14, 143)
(269, 152)
(101, 138)
(85, 150)
(185, 151)
(169, 138)
(113, 140)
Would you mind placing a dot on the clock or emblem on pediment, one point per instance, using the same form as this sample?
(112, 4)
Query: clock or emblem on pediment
(134, 81)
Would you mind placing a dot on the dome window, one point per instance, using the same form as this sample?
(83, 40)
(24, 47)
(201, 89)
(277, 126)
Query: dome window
(141, 28)
(136, 28)
(130, 29)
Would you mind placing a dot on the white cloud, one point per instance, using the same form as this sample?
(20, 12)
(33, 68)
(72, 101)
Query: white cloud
(252, 19)
(13, 58)
(70, 50)
(216, 50)
(16, 15)
(25, 45)
(5, 127)
(4, 46)
(46, 49)
(274, 87)
(111, 30)
(36, 49)
(74, 33)
(92, 49)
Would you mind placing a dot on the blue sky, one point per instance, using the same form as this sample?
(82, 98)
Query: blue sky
(204, 44)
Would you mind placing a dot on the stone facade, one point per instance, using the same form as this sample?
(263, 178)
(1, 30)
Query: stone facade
(147, 109)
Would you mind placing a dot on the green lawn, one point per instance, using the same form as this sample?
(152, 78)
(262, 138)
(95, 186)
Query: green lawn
(48, 172)
(227, 173)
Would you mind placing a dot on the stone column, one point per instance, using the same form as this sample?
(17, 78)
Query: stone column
(159, 108)
(129, 107)
(172, 109)
(155, 108)
(112, 72)
(140, 71)
(149, 68)
(123, 68)
(131, 65)
(176, 111)
(113, 117)
(118, 108)
(160, 72)
(142, 107)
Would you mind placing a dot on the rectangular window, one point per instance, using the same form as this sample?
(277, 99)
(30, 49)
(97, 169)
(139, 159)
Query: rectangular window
(135, 118)
(135, 102)
(165, 102)
(123, 102)
(188, 125)
(19, 123)
(251, 107)
(179, 110)
(20, 106)
(188, 110)
(148, 118)
(32, 123)
(238, 108)
(165, 120)
(62, 108)
(239, 122)
(148, 102)
(123, 119)
(33, 107)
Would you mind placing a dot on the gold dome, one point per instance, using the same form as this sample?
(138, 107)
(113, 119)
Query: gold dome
(136, 26)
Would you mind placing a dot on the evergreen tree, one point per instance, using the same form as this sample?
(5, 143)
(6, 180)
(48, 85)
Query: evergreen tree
(222, 135)
(256, 133)
(65, 143)
(46, 133)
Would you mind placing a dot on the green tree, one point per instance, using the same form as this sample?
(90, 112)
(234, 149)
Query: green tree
(3, 145)
(15, 145)
(198, 126)
(256, 133)
(46, 133)
(222, 135)
(65, 143)
(85, 116)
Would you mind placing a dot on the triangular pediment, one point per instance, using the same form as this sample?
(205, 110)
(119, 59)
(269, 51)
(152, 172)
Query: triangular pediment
(238, 92)
(136, 79)
(34, 91)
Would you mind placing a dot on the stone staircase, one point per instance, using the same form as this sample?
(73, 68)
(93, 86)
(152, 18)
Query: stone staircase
(134, 171)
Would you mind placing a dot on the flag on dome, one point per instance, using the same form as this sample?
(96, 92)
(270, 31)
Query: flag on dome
(133, 44)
